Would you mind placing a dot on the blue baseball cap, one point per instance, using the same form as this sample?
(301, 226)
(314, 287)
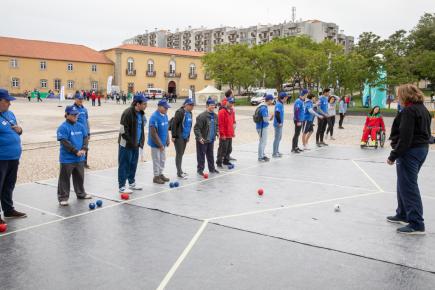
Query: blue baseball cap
(164, 104)
(4, 94)
(78, 96)
(140, 98)
(188, 101)
(282, 95)
(269, 97)
(210, 101)
(71, 110)
(231, 100)
(303, 92)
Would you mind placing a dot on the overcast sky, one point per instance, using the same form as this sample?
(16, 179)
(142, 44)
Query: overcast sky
(106, 23)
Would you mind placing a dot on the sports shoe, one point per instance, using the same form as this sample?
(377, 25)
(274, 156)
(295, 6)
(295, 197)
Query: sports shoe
(319, 144)
(158, 180)
(63, 203)
(372, 143)
(396, 220)
(219, 165)
(295, 151)
(306, 148)
(363, 143)
(232, 159)
(324, 144)
(182, 175)
(214, 171)
(266, 159)
(200, 172)
(134, 186)
(278, 155)
(340, 127)
(86, 196)
(14, 214)
(408, 230)
(125, 190)
(164, 178)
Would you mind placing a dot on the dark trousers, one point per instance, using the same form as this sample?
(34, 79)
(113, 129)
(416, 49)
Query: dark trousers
(8, 178)
(296, 135)
(127, 165)
(224, 151)
(203, 151)
(180, 147)
(409, 204)
(331, 123)
(340, 122)
(321, 127)
(93, 102)
(77, 170)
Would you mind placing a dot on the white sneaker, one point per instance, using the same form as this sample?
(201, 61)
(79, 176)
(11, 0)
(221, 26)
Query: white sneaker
(134, 186)
(306, 148)
(183, 175)
(63, 203)
(125, 190)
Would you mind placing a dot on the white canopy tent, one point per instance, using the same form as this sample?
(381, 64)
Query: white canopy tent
(210, 91)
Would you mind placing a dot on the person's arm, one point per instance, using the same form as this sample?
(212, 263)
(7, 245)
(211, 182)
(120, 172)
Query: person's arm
(264, 113)
(406, 133)
(155, 137)
(125, 128)
(197, 128)
(312, 112)
(278, 117)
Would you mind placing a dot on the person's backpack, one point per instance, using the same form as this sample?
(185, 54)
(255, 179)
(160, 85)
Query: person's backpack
(257, 118)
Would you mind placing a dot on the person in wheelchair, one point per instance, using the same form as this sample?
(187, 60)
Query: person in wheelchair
(373, 126)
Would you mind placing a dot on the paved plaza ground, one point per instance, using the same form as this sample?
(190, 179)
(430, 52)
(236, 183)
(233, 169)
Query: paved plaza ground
(215, 233)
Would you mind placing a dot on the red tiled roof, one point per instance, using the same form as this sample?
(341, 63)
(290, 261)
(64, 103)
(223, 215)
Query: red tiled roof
(151, 49)
(50, 50)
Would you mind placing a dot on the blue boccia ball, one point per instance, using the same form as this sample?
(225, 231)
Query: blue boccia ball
(171, 185)
(92, 205)
(176, 184)
(99, 203)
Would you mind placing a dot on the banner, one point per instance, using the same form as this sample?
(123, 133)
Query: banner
(109, 85)
(62, 94)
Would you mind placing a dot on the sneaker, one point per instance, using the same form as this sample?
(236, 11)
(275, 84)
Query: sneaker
(340, 127)
(295, 151)
(158, 180)
(306, 148)
(201, 173)
(63, 203)
(363, 143)
(261, 160)
(266, 159)
(86, 196)
(125, 190)
(319, 144)
(324, 144)
(164, 178)
(214, 171)
(134, 186)
(373, 143)
(219, 165)
(299, 149)
(232, 159)
(396, 220)
(408, 230)
(276, 155)
(182, 175)
(14, 214)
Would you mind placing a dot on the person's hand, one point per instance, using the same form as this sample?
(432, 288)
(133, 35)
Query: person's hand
(81, 153)
(299, 124)
(162, 149)
(390, 162)
(173, 140)
(201, 141)
(17, 129)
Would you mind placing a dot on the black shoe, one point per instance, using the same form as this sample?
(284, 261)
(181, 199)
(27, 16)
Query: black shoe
(408, 230)
(15, 214)
(200, 173)
(266, 159)
(396, 220)
(214, 171)
(232, 159)
(340, 127)
(295, 151)
(324, 144)
(219, 165)
(319, 144)
(300, 150)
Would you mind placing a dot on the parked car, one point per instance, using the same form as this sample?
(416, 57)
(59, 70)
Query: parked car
(259, 96)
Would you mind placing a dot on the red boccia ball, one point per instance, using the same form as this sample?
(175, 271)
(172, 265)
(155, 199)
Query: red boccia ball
(3, 228)
(125, 196)
(205, 175)
(260, 191)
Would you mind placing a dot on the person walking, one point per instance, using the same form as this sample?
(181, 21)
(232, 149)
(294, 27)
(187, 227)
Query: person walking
(322, 109)
(131, 138)
(310, 113)
(342, 109)
(180, 130)
(410, 135)
(226, 121)
(261, 119)
(158, 140)
(83, 119)
(10, 154)
(278, 122)
(332, 112)
(298, 118)
(206, 129)
(73, 140)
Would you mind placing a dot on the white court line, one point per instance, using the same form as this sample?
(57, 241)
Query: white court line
(38, 209)
(368, 176)
(183, 255)
(293, 206)
(305, 181)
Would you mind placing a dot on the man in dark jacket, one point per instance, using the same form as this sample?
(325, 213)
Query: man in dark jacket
(206, 129)
(180, 130)
(131, 137)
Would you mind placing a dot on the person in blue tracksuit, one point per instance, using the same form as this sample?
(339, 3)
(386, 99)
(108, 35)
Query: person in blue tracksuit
(278, 121)
(322, 109)
(83, 118)
(261, 127)
(298, 118)
(310, 113)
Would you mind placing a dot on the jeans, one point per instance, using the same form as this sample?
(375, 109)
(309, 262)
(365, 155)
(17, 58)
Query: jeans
(262, 133)
(127, 165)
(8, 178)
(409, 204)
(296, 135)
(203, 151)
(277, 140)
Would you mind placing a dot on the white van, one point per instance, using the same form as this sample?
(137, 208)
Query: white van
(259, 95)
(154, 93)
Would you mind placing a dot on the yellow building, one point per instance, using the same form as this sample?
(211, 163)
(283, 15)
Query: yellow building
(138, 68)
(31, 64)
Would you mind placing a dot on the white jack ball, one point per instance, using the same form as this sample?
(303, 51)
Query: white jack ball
(337, 208)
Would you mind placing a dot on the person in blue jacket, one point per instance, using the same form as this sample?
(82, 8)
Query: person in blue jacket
(310, 113)
(262, 125)
(83, 118)
(10, 153)
(298, 118)
(73, 138)
(278, 121)
(322, 109)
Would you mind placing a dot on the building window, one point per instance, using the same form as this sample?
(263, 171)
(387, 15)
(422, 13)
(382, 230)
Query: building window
(94, 68)
(192, 70)
(14, 63)
(15, 82)
(150, 66)
(57, 84)
(130, 64)
(43, 84)
(94, 85)
(43, 65)
(150, 86)
(70, 84)
(172, 67)
(70, 67)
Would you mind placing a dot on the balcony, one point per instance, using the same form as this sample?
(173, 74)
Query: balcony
(193, 76)
(151, 74)
(130, 72)
(172, 75)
